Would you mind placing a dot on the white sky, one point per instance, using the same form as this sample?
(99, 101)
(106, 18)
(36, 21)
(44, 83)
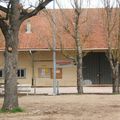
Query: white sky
(66, 3)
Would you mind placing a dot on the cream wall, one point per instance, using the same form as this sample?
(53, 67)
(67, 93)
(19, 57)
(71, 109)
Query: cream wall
(25, 62)
(68, 73)
(69, 77)
(42, 60)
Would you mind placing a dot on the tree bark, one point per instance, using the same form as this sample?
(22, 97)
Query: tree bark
(79, 75)
(79, 52)
(11, 57)
(10, 99)
(10, 68)
(115, 79)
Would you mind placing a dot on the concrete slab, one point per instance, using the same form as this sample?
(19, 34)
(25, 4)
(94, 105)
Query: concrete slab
(67, 90)
(63, 90)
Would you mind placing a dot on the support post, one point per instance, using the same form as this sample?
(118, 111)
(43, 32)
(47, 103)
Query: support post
(54, 51)
(33, 73)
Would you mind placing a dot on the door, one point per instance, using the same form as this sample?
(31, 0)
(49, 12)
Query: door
(96, 68)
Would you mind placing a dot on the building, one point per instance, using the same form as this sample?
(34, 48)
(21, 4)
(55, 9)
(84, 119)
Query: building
(35, 66)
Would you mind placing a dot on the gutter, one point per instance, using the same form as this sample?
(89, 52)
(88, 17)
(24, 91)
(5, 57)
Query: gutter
(67, 49)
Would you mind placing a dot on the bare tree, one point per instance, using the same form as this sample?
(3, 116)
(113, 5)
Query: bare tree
(74, 27)
(111, 15)
(10, 22)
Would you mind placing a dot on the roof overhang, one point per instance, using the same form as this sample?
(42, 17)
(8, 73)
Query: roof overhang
(67, 49)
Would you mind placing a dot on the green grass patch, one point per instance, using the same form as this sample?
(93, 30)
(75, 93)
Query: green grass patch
(14, 110)
(3, 111)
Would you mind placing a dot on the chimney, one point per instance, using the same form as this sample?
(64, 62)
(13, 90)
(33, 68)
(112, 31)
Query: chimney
(28, 27)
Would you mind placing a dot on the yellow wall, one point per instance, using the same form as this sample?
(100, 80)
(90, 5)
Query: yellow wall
(42, 60)
(68, 73)
(25, 62)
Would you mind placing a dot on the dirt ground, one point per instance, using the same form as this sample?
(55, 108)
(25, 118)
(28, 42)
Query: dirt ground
(67, 107)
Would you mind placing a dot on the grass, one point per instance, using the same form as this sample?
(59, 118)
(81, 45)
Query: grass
(18, 109)
(2, 111)
(14, 110)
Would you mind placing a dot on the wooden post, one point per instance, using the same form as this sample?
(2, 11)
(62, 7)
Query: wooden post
(33, 72)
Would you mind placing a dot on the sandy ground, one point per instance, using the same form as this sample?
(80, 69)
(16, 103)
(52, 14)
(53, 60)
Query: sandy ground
(67, 107)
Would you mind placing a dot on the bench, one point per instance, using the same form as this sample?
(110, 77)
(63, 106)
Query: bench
(24, 91)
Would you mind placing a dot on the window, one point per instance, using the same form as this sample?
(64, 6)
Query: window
(28, 27)
(21, 73)
(44, 72)
(1, 73)
(58, 73)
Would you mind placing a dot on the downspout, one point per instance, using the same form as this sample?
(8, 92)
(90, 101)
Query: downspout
(54, 51)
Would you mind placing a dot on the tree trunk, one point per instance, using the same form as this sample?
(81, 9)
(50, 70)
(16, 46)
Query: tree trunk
(10, 68)
(115, 79)
(79, 52)
(11, 58)
(79, 75)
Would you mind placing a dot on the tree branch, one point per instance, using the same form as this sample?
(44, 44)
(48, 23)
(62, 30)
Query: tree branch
(41, 6)
(3, 9)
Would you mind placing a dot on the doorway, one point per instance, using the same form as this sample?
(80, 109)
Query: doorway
(96, 68)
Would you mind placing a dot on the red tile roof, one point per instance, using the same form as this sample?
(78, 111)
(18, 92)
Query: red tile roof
(41, 36)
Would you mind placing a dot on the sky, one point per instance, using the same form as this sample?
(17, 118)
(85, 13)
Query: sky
(66, 3)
